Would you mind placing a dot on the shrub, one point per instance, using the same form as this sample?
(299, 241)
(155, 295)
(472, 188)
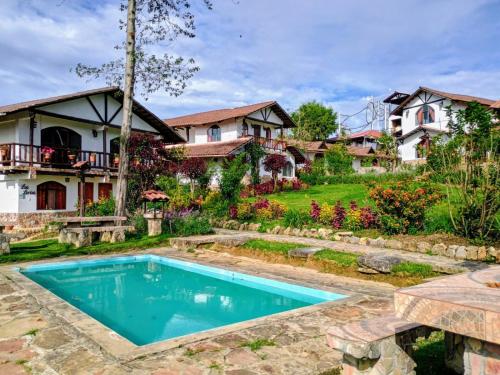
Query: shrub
(315, 211)
(193, 168)
(140, 224)
(179, 199)
(326, 214)
(103, 207)
(359, 217)
(337, 160)
(339, 215)
(232, 173)
(261, 203)
(244, 211)
(278, 209)
(191, 225)
(402, 206)
(296, 218)
(264, 213)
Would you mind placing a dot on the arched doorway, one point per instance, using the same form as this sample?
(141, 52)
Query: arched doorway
(63, 140)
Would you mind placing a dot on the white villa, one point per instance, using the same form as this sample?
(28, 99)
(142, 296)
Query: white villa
(42, 142)
(217, 134)
(419, 117)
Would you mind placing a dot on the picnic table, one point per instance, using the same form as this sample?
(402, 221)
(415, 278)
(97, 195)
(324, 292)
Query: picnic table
(79, 230)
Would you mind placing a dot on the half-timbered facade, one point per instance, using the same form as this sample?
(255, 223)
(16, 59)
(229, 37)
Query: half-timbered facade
(421, 116)
(220, 133)
(42, 142)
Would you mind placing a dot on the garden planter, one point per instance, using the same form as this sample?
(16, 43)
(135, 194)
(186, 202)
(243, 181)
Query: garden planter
(3, 153)
(47, 157)
(116, 161)
(92, 158)
(71, 158)
(154, 224)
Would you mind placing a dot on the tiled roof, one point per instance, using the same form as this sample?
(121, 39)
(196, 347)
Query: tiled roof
(496, 105)
(10, 108)
(218, 115)
(214, 149)
(308, 145)
(148, 116)
(422, 128)
(154, 196)
(444, 94)
(360, 151)
(367, 133)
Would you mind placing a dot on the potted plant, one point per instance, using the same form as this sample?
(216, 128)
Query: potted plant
(47, 153)
(92, 157)
(72, 155)
(116, 159)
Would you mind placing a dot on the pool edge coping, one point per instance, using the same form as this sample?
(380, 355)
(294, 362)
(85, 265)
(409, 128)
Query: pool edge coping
(120, 347)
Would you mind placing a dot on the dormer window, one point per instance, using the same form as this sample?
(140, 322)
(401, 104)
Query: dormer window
(214, 133)
(425, 115)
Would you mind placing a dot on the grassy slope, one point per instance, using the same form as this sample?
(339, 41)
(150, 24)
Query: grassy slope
(35, 250)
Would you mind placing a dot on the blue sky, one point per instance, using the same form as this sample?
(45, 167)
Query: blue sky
(336, 52)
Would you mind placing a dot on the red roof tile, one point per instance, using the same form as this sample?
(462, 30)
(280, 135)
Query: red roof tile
(360, 151)
(496, 105)
(213, 149)
(154, 195)
(218, 115)
(367, 133)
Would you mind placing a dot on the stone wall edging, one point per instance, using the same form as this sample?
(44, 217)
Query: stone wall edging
(457, 252)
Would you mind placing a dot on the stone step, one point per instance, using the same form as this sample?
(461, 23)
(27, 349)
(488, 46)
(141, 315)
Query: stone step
(304, 252)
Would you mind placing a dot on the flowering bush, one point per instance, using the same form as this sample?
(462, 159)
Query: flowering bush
(244, 211)
(368, 218)
(264, 213)
(326, 214)
(338, 215)
(278, 209)
(233, 212)
(360, 218)
(269, 187)
(401, 206)
(261, 203)
(315, 210)
(274, 163)
(305, 168)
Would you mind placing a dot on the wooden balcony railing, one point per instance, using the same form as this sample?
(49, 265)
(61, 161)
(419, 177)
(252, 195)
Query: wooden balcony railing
(270, 144)
(19, 154)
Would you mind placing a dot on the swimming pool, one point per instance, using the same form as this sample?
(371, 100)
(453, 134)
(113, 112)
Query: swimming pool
(149, 298)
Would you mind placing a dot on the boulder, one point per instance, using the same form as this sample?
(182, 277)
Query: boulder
(450, 252)
(471, 252)
(295, 232)
(482, 253)
(354, 240)
(394, 244)
(303, 252)
(423, 247)
(460, 253)
(368, 271)
(336, 237)
(363, 241)
(380, 262)
(493, 253)
(344, 234)
(439, 249)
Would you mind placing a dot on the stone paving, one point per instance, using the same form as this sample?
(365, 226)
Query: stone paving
(35, 339)
(438, 263)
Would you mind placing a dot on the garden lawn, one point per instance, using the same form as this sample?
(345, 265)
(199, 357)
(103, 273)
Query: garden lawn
(322, 194)
(41, 249)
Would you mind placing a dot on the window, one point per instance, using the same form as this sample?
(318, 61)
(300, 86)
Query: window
(214, 134)
(288, 169)
(244, 129)
(51, 196)
(425, 115)
(422, 148)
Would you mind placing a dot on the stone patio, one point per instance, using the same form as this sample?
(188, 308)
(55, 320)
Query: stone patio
(35, 337)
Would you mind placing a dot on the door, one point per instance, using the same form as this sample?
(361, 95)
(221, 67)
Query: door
(88, 191)
(104, 190)
(63, 141)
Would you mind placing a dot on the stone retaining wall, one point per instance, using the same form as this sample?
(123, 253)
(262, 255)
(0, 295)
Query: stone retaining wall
(457, 252)
(33, 219)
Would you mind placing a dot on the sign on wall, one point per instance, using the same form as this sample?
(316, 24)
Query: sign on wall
(25, 190)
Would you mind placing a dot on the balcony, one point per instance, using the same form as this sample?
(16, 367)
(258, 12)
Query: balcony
(21, 155)
(269, 144)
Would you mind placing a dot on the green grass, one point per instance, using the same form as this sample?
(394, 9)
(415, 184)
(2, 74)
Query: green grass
(342, 259)
(41, 249)
(258, 344)
(271, 246)
(413, 269)
(323, 194)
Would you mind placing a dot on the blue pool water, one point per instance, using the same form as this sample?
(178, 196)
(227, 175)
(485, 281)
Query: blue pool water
(149, 298)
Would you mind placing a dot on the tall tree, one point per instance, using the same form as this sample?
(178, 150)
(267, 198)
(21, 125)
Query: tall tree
(148, 22)
(388, 144)
(315, 122)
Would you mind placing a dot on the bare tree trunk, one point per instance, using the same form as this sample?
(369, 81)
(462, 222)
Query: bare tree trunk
(121, 192)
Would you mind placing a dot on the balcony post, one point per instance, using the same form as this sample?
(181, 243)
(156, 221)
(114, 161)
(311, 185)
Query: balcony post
(32, 132)
(104, 147)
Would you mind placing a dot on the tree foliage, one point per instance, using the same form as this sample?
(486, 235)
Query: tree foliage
(232, 173)
(193, 169)
(315, 121)
(255, 152)
(156, 22)
(337, 160)
(274, 163)
(149, 159)
(472, 160)
(389, 145)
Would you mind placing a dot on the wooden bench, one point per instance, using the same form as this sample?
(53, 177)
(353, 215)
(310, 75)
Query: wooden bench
(79, 221)
(377, 346)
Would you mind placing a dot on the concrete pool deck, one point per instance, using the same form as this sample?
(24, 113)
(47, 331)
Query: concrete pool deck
(40, 332)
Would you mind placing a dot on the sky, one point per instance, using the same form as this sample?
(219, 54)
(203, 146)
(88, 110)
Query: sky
(337, 52)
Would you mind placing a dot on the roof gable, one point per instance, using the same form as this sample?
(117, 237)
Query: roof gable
(455, 97)
(219, 115)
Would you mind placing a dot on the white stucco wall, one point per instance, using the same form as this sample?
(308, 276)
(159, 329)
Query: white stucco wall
(9, 195)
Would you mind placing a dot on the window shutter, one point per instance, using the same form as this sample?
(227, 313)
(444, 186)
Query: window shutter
(431, 114)
(420, 116)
